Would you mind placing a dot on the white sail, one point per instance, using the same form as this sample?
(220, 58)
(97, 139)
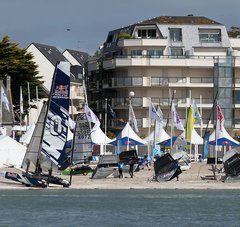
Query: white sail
(34, 147)
(82, 147)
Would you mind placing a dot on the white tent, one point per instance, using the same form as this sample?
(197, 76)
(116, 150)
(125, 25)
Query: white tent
(26, 137)
(159, 139)
(195, 138)
(128, 137)
(224, 139)
(11, 152)
(98, 137)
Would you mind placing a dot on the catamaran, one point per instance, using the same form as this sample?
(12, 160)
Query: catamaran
(46, 151)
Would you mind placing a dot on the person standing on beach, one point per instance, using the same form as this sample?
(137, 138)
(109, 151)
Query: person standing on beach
(131, 164)
(120, 169)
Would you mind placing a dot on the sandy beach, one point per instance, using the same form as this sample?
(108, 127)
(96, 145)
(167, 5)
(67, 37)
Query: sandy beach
(190, 179)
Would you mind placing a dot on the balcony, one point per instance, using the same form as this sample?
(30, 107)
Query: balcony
(123, 103)
(142, 42)
(171, 61)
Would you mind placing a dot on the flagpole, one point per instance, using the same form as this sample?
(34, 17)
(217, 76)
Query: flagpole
(149, 126)
(201, 128)
(105, 127)
(21, 105)
(29, 98)
(190, 148)
(216, 137)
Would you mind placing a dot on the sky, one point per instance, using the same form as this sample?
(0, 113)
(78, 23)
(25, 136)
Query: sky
(84, 24)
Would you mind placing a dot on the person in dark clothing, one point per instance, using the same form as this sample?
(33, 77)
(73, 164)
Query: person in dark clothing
(131, 164)
(120, 170)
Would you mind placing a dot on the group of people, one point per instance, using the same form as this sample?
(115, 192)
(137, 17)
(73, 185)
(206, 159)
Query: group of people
(131, 168)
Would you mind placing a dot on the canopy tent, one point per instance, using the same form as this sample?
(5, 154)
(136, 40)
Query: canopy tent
(224, 139)
(11, 152)
(98, 137)
(128, 137)
(26, 137)
(167, 143)
(196, 139)
(163, 136)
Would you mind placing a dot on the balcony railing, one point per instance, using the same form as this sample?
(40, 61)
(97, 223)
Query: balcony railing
(124, 102)
(201, 80)
(128, 81)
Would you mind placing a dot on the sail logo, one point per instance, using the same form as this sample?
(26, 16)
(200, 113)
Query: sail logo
(61, 91)
(11, 175)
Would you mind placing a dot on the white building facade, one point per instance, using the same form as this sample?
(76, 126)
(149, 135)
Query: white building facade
(192, 56)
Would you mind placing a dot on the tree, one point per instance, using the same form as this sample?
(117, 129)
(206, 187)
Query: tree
(234, 32)
(19, 65)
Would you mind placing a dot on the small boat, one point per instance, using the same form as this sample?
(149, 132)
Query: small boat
(183, 160)
(107, 165)
(46, 151)
(166, 168)
(231, 165)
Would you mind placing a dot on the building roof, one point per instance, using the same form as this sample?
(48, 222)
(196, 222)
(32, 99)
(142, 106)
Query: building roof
(50, 52)
(80, 56)
(198, 20)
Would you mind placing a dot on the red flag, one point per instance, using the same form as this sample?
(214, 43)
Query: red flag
(220, 117)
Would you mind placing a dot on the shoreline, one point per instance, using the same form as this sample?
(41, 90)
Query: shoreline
(188, 180)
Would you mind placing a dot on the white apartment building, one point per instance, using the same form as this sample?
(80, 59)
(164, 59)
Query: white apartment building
(190, 55)
(46, 57)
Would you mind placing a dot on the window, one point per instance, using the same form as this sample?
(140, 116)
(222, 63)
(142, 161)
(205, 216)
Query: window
(110, 38)
(209, 35)
(177, 51)
(155, 81)
(237, 96)
(147, 33)
(175, 34)
(137, 81)
(155, 53)
(136, 52)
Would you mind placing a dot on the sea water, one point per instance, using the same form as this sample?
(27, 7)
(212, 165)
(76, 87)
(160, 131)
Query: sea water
(120, 207)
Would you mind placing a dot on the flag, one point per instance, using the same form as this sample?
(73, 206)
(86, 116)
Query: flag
(132, 118)
(154, 114)
(220, 117)
(176, 118)
(91, 117)
(21, 101)
(190, 124)
(5, 99)
(111, 111)
(196, 114)
(159, 125)
(220, 122)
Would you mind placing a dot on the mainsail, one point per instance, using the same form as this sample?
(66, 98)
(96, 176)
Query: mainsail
(56, 123)
(82, 147)
(34, 147)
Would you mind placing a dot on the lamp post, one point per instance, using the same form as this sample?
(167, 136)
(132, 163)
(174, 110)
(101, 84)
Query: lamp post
(130, 96)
